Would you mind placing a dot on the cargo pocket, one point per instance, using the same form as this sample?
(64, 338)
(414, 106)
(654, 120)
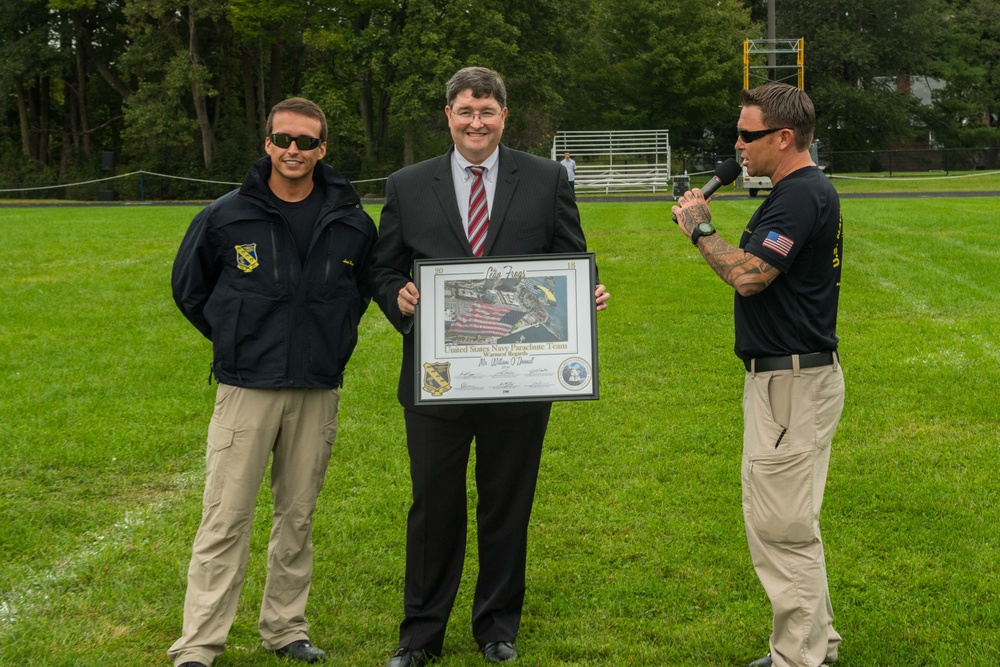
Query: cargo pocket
(220, 441)
(221, 396)
(323, 454)
(781, 496)
(330, 432)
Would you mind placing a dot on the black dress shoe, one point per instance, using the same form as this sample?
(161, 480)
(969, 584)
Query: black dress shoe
(410, 658)
(301, 650)
(499, 651)
(191, 663)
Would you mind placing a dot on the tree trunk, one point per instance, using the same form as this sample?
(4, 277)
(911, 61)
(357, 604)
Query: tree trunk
(72, 117)
(44, 122)
(249, 94)
(22, 113)
(81, 92)
(409, 139)
(383, 125)
(262, 110)
(109, 76)
(67, 141)
(277, 60)
(33, 120)
(365, 105)
(198, 93)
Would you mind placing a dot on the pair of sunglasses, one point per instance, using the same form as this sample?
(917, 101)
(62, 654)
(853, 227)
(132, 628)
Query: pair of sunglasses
(749, 137)
(303, 143)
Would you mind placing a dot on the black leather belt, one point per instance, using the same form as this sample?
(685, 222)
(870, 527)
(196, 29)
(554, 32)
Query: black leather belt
(811, 360)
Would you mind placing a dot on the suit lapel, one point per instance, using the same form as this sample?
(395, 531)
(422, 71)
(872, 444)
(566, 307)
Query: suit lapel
(507, 180)
(444, 190)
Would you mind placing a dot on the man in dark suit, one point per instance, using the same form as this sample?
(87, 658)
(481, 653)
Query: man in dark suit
(435, 209)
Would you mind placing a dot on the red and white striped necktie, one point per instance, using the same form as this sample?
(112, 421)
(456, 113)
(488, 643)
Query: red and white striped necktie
(479, 214)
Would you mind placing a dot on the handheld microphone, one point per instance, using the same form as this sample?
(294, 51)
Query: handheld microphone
(724, 174)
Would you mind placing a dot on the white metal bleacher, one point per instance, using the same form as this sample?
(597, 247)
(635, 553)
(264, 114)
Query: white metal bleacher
(617, 161)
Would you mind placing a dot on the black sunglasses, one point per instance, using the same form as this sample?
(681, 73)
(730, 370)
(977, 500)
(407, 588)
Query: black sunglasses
(749, 137)
(304, 143)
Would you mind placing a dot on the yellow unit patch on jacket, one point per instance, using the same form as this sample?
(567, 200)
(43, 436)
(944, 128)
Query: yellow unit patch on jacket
(246, 257)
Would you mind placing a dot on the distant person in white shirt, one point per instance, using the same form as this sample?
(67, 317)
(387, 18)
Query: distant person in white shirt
(570, 165)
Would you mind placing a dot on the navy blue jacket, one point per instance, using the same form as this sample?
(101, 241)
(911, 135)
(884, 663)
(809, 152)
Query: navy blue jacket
(274, 321)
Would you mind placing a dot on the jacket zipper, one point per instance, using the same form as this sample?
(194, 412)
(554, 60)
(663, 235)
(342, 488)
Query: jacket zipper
(329, 259)
(274, 250)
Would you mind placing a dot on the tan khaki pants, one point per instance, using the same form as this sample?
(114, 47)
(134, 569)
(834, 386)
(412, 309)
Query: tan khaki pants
(789, 421)
(297, 427)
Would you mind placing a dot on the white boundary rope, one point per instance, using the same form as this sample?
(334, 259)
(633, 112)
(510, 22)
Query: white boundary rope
(914, 178)
(182, 178)
(140, 173)
(66, 185)
(373, 180)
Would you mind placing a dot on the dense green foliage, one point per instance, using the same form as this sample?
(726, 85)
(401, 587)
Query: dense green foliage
(184, 86)
(637, 552)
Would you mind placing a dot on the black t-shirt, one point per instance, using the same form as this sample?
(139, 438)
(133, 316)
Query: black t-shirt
(301, 217)
(798, 229)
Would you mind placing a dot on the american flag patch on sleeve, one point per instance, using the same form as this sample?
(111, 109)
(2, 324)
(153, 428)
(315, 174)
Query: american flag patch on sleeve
(778, 243)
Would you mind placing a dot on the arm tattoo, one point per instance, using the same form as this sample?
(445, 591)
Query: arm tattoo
(746, 273)
(691, 217)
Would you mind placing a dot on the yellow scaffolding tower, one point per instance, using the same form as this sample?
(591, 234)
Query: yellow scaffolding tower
(773, 70)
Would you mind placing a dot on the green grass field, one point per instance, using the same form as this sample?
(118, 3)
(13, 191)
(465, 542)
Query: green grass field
(637, 553)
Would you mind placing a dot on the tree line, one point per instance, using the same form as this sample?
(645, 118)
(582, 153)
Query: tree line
(184, 86)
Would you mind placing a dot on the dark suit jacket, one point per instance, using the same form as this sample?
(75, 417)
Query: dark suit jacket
(533, 213)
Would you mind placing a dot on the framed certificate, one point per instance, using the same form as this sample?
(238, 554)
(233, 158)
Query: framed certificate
(506, 329)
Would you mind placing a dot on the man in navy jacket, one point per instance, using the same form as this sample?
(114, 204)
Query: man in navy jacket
(275, 274)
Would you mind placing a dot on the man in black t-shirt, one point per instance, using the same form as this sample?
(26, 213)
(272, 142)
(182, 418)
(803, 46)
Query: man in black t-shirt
(786, 273)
